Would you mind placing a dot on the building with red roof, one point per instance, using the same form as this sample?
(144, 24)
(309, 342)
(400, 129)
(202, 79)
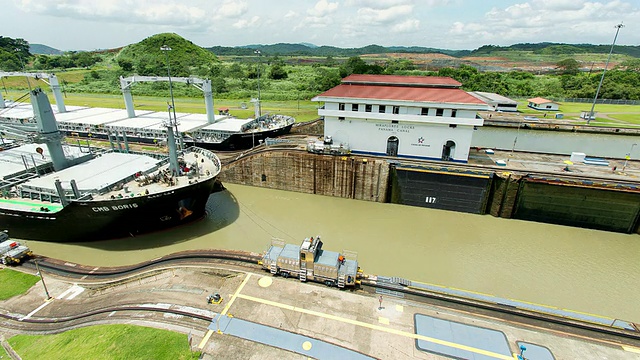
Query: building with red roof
(426, 117)
(543, 104)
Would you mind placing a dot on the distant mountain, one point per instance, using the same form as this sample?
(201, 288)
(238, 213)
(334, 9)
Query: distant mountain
(306, 49)
(44, 50)
(559, 49)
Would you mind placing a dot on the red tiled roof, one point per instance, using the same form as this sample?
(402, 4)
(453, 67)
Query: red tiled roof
(406, 93)
(539, 100)
(402, 80)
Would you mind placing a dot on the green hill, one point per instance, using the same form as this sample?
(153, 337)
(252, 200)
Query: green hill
(546, 48)
(146, 58)
(41, 49)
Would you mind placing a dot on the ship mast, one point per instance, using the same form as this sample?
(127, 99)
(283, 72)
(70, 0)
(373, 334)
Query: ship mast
(171, 140)
(47, 126)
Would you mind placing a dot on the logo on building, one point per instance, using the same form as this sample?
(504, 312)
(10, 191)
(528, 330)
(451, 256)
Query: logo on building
(420, 140)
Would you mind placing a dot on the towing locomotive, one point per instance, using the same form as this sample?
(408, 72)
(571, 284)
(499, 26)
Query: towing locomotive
(309, 262)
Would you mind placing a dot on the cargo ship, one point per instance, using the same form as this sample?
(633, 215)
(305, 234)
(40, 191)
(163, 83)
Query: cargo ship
(213, 131)
(69, 194)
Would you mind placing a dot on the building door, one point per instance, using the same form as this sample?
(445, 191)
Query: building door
(392, 146)
(448, 150)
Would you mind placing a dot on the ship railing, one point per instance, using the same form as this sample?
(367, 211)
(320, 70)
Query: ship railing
(209, 155)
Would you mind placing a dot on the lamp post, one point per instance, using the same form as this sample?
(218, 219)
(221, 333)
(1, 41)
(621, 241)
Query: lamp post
(626, 158)
(42, 278)
(606, 64)
(259, 53)
(166, 50)
(515, 140)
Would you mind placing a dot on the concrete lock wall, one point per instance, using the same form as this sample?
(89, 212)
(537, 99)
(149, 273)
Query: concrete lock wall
(581, 206)
(342, 176)
(503, 194)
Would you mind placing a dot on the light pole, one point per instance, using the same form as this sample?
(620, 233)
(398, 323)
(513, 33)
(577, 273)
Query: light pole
(626, 158)
(42, 278)
(606, 64)
(258, 52)
(515, 140)
(166, 50)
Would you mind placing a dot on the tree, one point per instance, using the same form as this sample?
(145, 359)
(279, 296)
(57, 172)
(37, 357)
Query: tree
(569, 66)
(277, 71)
(125, 64)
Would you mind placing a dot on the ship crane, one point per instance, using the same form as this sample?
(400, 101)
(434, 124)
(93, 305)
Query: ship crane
(203, 85)
(49, 79)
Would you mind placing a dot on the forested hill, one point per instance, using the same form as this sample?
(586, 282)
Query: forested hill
(546, 48)
(44, 50)
(486, 50)
(311, 50)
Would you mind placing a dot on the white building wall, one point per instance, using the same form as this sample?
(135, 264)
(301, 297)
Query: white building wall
(545, 106)
(415, 139)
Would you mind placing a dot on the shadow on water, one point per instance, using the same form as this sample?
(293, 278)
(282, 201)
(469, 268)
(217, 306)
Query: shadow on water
(222, 210)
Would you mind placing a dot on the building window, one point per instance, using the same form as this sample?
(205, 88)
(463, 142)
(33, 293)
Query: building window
(341, 106)
(382, 109)
(454, 113)
(439, 112)
(354, 107)
(394, 121)
(424, 112)
(548, 106)
(341, 118)
(367, 108)
(396, 110)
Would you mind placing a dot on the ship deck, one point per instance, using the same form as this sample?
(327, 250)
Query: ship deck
(109, 176)
(78, 117)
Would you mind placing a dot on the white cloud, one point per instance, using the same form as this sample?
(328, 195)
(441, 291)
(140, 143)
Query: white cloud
(323, 8)
(291, 15)
(231, 9)
(407, 26)
(546, 20)
(370, 15)
(244, 23)
(159, 12)
(319, 16)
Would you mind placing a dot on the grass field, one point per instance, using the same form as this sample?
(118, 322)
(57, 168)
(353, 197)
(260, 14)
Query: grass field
(606, 114)
(14, 283)
(3, 353)
(105, 342)
(301, 110)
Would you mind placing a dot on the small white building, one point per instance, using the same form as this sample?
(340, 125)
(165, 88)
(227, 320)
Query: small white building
(422, 117)
(496, 101)
(543, 104)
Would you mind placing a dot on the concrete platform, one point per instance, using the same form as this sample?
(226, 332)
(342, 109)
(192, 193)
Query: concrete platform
(274, 318)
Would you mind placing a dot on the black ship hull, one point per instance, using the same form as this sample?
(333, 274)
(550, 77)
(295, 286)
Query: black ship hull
(82, 221)
(238, 141)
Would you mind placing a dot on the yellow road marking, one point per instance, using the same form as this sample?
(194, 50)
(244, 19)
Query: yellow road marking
(377, 327)
(205, 339)
(224, 312)
(399, 308)
(234, 296)
(631, 349)
(383, 320)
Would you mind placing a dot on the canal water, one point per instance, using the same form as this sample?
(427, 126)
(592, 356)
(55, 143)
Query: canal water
(557, 142)
(572, 268)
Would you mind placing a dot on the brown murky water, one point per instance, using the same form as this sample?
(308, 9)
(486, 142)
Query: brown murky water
(578, 269)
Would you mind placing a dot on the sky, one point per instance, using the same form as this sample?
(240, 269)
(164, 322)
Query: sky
(445, 24)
